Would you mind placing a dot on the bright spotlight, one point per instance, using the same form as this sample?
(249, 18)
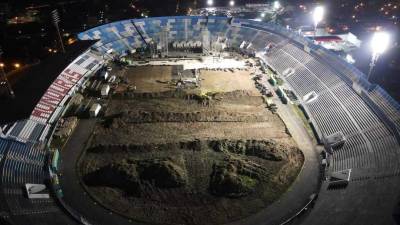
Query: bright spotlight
(380, 42)
(210, 2)
(262, 15)
(318, 15)
(232, 3)
(277, 5)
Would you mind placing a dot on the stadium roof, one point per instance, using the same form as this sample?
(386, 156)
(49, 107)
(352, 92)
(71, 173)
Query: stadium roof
(29, 84)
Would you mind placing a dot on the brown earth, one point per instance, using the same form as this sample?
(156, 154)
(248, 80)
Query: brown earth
(199, 156)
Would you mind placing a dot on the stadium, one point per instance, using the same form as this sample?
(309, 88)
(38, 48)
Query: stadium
(351, 177)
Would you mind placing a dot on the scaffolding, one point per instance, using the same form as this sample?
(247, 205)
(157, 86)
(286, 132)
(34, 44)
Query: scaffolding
(206, 41)
(163, 42)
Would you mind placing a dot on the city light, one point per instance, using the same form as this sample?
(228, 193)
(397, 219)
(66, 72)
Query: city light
(210, 2)
(17, 65)
(318, 15)
(232, 3)
(2, 65)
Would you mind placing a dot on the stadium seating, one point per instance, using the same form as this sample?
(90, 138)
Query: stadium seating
(369, 120)
(23, 153)
(25, 163)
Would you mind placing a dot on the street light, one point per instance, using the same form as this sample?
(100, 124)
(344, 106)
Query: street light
(5, 76)
(318, 15)
(379, 44)
(17, 65)
(210, 2)
(232, 3)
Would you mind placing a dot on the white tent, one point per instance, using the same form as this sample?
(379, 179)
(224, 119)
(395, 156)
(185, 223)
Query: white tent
(105, 90)
(94, 110)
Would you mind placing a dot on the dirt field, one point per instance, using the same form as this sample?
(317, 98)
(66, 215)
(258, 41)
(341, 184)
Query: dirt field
(220, 81)
(164, 156)
(149, 78)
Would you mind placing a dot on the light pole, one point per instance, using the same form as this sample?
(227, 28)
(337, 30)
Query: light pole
(10, 90)
(56, 20)
(276, 6)
(379, 44)
(318, 16)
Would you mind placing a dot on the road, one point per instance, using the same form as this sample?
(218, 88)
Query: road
(74, 194)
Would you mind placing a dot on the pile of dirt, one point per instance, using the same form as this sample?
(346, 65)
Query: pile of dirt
(184, 182)
(122, 119)
(235, 178)
(265, 149)
(210, 155)
(129, 174)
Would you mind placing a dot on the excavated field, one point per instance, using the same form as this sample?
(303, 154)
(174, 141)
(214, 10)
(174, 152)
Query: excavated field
(198, 156)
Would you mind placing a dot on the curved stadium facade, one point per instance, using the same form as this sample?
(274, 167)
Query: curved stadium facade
(346, 103)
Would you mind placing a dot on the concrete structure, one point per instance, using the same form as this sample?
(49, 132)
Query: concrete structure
(37, 191)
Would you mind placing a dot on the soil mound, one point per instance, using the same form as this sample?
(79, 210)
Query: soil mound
(129, 174)
(234, 178)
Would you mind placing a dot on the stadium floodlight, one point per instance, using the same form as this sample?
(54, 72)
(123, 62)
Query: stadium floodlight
(56, 20)
(232, 3)
(379, 44)
(210, 2)
(277, 5)
(318, 16)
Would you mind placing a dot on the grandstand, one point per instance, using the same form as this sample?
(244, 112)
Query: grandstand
(366, 115)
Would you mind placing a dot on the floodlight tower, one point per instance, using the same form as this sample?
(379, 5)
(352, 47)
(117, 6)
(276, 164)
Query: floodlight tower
(277, 5)
(56, 20)
(10, 90)
(232, 3)
(210, 2)
(379, 44)
(318, 16)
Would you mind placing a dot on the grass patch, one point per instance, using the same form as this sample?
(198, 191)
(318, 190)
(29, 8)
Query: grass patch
(248, 182)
